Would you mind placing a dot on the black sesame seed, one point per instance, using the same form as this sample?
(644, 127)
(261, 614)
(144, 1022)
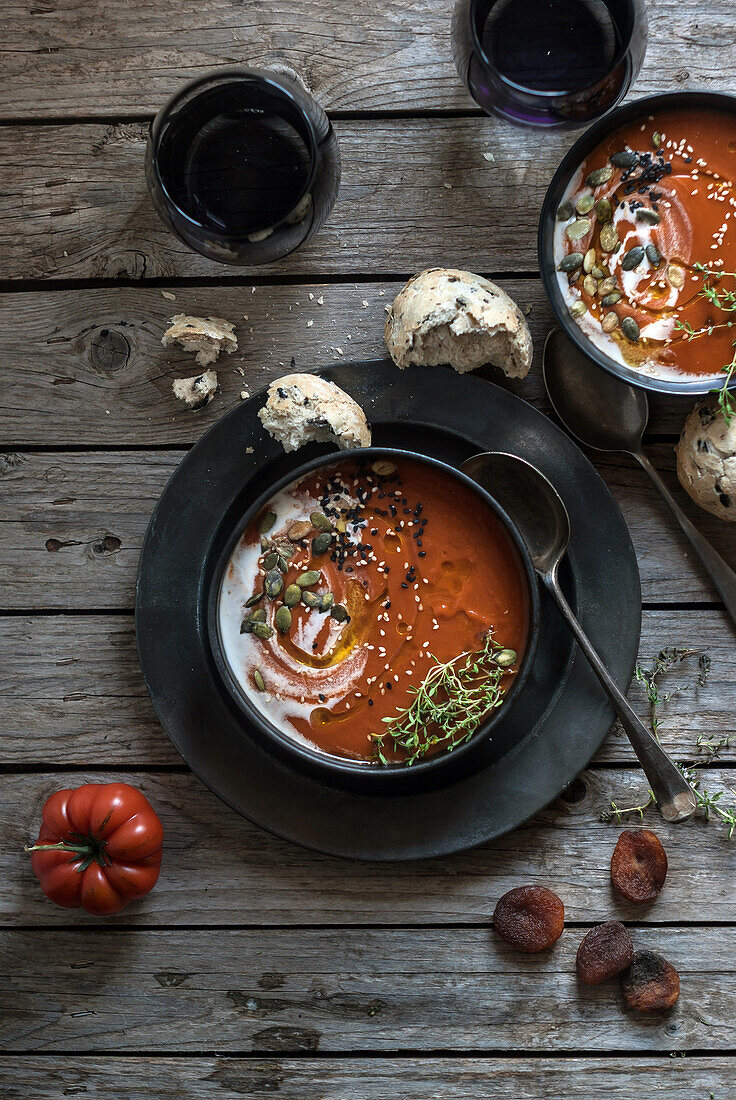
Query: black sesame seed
(404, 585)
(389, 685)
(321, 697)
(422, 553)
(370, 702)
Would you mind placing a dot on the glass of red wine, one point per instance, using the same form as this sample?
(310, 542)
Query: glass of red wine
(243, 165)
(549, 63)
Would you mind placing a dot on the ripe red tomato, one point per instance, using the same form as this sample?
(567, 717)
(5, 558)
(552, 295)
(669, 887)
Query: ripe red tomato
(99, 847)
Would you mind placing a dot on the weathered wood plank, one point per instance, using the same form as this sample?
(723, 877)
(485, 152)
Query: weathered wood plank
(394, 212)
(71, 692)
(411, 1078)
(91, 361)
(73, 525)
(361, 990)
(392, 55)
(219, 869)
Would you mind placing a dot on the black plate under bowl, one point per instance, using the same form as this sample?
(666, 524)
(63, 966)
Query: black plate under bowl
(556, 725)
(718, 102)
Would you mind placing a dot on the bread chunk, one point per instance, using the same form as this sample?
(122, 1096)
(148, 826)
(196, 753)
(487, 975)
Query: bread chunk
(449, 316)
(207, 336)
(196, 391)
(304, 408)
(706, 460)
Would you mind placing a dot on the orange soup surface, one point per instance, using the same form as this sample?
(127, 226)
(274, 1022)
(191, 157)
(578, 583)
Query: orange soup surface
(661, 208)
(412, 568)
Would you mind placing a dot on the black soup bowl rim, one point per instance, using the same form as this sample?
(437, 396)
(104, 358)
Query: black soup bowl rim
(593, 136)
(280, 83)
(334, 767)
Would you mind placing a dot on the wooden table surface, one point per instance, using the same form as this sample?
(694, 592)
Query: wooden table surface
(255, 967)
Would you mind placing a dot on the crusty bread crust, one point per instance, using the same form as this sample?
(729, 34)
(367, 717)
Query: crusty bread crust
(197, 390)
(446, 315)
(304, 408)
(706, 460)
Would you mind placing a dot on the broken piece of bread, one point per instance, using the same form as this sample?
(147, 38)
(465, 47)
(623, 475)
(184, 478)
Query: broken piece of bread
(207, 336)
(449, 316)
(304, 408)
(196, 391)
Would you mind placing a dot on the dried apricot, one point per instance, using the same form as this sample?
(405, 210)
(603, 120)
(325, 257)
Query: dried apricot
(529, 918)
(605, 952)
(651, 984)
(639, 865)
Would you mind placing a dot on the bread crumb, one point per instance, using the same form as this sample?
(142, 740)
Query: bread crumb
(168, 295)
(197, 391)
(249, 450)
(489, 157)
(364, 303)
(321, 300)
(206, 336)
(311, 296)
(447, 186)
(244, 395)
(309, 324)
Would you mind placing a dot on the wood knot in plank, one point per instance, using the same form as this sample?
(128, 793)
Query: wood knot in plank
(109, 350)
(107, 545)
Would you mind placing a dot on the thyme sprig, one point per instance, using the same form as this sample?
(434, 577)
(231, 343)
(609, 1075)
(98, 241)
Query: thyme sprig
(725, 301)
(709, 803)
(649, 678)
(449, 704)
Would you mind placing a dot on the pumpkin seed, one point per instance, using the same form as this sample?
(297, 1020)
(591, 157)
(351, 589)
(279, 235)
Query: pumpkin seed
(307, 579)
(676, 276)
(579, 229)
(599, 176)
(266, 523)
(273, 584)
(258, 616)
(383, 467)
(565, 212)
(590, 285)
(574, 276)
(269, 562)
(585, 204)
(321, 521)
(612, 298)
(607, 286)
(630, 329)
(589, 261)
(342, 525)
(282, 565)
(599, 272)
(292, 595)
(282, 619)
(246, 627)
(624, 159)
(265, 543)
(571, 262)
(648, 216)
(284, 548)
(321, 543)
(299, 530)
(339, 613)
(254, 598)
(259, 681)
(609, 322)
(505, 657)
(262, 630)
(578, 309)
(609, 238)
(632, 258)
(310, 599)
(326, 601)
(656, 139)
(653, 255)
(604, 211)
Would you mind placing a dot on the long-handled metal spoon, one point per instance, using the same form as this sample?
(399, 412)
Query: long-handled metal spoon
(536, 508)
(607, 414)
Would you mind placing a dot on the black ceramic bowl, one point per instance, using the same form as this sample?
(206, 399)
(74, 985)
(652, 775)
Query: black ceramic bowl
(640, 108)
(398, 778)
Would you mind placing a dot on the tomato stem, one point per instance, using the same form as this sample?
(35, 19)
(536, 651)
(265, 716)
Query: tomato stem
(62, 846)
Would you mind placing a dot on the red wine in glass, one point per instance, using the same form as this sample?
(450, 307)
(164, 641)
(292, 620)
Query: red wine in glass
(550, 63)
(243, 165)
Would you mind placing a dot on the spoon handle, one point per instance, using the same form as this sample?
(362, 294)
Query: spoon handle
(674, 795)
(721, 574)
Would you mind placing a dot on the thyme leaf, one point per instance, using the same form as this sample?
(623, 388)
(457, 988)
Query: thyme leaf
(723, 300)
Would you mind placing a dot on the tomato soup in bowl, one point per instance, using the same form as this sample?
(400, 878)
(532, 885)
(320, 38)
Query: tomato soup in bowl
(638, 242)
(373, 616)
